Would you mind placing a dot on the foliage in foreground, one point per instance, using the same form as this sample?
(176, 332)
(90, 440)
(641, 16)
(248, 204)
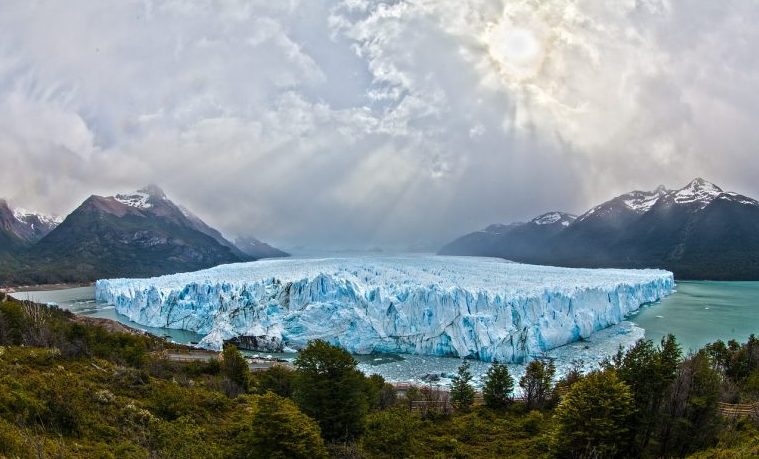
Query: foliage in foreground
(69, 389)
(594, 418)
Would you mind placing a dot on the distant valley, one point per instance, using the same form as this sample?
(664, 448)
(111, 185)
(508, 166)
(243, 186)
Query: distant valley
(697, 232)
(127, 235)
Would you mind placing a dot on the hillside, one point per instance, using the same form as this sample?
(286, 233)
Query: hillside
(697, 232)
(127, 235)
(71, 388)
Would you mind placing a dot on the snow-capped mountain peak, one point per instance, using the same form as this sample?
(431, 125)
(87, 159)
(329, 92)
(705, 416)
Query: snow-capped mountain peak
(137, 200)
(24, 224)
(642, 201)
(551, 218)
(141, 198)
(24, 216)
(698, 191)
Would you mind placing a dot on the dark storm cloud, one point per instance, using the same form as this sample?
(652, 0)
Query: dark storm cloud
(361, 123)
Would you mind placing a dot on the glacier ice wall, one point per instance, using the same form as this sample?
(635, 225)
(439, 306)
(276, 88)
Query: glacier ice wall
(447, 306)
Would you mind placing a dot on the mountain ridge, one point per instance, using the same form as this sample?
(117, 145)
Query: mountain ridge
(136, 234)
(699, 232)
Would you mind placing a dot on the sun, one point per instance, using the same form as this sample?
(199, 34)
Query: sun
(518, 52)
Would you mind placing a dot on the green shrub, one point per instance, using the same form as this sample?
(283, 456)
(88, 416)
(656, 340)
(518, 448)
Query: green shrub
(278, 430)
(390, 433)
(278, 379)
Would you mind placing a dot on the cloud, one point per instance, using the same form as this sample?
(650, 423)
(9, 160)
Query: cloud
(361, 123)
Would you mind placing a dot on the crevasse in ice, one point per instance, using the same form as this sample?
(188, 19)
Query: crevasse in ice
(481, 308)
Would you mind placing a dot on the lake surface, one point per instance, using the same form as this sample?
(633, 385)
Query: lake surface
(702, 312)
(698, 313)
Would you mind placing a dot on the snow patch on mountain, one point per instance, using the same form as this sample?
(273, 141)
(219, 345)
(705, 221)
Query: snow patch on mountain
(451, 306)
(739, 198)
(551, 218)
(137, 200)
(642, 201)
(698, 191)
(25, 216)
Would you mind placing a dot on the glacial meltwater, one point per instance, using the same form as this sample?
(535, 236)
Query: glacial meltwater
(698, 313)
(702, 312)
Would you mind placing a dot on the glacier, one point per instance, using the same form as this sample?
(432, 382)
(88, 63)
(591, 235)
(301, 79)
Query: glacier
(481, 308)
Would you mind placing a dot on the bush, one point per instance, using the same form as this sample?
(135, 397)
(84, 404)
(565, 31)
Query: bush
(390, 433)
(593, 419)
(278, 379)
(380, 394)
(235, 368)
(279, 430)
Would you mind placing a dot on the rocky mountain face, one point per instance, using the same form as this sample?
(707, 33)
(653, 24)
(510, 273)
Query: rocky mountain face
(698, 232)
(23, 226)
(126, 235)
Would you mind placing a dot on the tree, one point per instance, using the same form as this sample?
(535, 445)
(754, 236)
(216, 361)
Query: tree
(380, 394)
(278, 379)
(462, 392)
(690, 420)
(330, 389)
(390, 433)
(234, 367)
(592, 420)
(649, 372)
(536, 383)
(279, 430)
(499, 386)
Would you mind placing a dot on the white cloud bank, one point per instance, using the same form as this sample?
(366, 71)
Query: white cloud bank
(361, 123)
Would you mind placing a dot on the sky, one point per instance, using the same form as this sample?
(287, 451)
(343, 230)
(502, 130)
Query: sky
(357, 124)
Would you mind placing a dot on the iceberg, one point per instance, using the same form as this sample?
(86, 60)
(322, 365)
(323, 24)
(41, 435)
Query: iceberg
(480, 308)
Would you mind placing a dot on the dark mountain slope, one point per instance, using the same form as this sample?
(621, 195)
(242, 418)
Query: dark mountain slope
(523, 241)
(22, 226)
(140, 234)
(258, 249)
(698, 232)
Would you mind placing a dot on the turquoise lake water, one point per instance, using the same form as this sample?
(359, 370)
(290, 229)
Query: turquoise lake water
(702, 312)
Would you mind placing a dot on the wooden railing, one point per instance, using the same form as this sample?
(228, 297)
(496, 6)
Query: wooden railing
(735, 410)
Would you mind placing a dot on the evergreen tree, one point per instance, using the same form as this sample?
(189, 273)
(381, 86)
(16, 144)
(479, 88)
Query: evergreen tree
(329, 388)
(499, 386)
(279, 430)
(536, 383)
(462, 392)
(593, 419)
(235, 367)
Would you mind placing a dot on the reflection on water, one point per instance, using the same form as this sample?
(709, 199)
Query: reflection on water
(698, 313)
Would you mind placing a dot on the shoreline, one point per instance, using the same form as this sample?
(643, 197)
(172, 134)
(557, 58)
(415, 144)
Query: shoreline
(44, 287)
